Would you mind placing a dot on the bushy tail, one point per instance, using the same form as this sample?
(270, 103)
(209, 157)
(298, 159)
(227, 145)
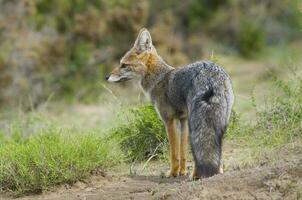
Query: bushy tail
(208, 118)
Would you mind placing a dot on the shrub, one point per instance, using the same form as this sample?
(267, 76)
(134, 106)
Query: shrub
(282, 118)
(276, 124)
(51, 157)
(199, 11)
(251, 37)
(291, 17)
(142, 134)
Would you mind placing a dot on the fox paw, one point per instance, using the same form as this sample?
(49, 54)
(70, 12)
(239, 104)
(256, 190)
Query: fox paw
(221, 170)
(193, 176)
(183, 172)
(171, 174)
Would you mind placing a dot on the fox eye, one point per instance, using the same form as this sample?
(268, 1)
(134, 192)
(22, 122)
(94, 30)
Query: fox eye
(123, 66)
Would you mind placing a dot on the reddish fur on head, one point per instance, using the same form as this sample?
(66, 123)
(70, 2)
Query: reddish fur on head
(141, 59)
(150, 60)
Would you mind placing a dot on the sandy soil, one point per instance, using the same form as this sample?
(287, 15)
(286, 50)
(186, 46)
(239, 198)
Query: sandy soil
(278, 179)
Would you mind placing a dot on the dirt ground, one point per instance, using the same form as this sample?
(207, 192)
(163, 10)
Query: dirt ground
(269, 178)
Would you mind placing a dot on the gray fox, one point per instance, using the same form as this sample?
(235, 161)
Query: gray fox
(199, 95)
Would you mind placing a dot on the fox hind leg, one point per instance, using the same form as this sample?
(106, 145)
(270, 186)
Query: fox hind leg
(183, 147)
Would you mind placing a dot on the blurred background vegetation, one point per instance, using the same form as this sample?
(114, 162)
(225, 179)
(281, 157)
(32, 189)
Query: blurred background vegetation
(61, 122)
(62, 49)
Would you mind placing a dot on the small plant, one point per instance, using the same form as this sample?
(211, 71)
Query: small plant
(278, 123)
(142, 134)
(282, 118)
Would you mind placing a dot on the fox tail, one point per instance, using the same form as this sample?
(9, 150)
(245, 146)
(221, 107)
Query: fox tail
(208, 119)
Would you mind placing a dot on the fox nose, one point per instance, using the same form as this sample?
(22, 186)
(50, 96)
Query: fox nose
(107, 77)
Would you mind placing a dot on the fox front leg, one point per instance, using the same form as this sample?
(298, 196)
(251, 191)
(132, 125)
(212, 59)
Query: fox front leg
(174, 148)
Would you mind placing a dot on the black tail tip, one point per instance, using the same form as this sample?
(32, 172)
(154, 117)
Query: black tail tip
(206, 171)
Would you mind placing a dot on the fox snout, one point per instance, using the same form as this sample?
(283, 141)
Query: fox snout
(115, 78)
(119, 75)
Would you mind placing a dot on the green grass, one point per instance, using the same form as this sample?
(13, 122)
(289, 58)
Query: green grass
(141, 134)
(277, 123)
(53, 156)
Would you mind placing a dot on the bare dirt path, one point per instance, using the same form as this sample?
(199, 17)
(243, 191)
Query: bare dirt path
(270, 182)
(278, 179)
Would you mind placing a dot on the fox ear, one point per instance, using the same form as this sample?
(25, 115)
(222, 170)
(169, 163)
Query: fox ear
(143, 41)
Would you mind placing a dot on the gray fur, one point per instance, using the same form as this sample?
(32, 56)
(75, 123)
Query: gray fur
(201, 92)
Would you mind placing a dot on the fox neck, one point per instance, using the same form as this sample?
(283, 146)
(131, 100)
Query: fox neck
(157, 71)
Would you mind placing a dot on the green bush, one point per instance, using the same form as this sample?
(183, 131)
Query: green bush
(199, 11)
(291, 17)
(276, 124)
(142, 134)
(51, 157)
(283, 116)
(250, 38)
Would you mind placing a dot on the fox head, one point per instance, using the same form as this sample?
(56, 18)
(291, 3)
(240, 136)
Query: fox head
(137, 61)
